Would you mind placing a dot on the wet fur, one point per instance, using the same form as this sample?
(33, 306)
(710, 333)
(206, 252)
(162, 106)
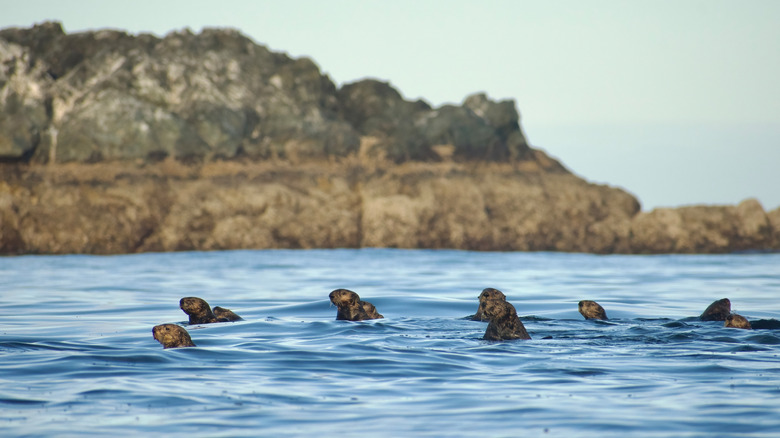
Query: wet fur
(737, 321)
(223, 313)
(504, 323)
(172, 336)
(486, 295)
(592, 310)
(717, 311)
(200, 312)
(351, 308)
(371, 310)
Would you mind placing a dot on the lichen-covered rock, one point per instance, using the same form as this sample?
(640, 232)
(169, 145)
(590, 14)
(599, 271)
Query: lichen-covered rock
(107, 95)
(480, 129)
(504, 119)
(23, 103)
(376, 109)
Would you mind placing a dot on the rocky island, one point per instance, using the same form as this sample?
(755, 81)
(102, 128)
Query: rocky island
(117, 143)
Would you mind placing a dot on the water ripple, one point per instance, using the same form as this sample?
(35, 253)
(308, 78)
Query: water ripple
(77, 357)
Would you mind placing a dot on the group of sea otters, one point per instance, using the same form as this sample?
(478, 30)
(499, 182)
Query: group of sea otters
(501, 316)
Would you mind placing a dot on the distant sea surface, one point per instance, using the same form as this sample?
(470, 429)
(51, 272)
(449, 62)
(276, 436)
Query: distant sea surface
(77, 356)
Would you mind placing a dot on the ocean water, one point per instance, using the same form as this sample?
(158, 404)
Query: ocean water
(77, 357)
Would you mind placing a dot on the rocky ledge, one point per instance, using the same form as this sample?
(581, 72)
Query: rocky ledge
(170, 206)
(114, 143)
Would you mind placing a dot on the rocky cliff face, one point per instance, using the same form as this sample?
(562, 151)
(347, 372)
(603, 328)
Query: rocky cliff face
(113, 143)
(107, 95)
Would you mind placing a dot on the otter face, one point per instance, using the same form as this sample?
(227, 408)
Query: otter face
(172, 336)
(491, 294)
(737, 321)
(497, 310)
(344, 298)
(194, 306)
(591, 310)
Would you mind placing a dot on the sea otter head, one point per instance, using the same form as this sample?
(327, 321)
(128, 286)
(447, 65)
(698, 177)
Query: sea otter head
(195, 306)
(491, 294)
(497, 310)
(717, 311)
(344, 298)
(591, 310)
(172, 336)
(737, 321)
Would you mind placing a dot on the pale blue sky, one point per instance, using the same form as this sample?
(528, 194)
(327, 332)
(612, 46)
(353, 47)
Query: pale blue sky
(676, 101)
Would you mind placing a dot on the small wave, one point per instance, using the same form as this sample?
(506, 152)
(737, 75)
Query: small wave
(90, 366)
(765, 324)
(22, 401)
(748, 348)
(765, 339)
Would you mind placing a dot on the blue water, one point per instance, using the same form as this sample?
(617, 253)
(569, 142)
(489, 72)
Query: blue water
(77, 356)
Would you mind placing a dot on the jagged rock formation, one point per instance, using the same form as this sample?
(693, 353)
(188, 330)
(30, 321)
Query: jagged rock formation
(113, 143)
(107, 95)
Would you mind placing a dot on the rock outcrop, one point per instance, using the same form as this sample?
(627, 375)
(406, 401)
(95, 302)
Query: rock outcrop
(170, 206)
(114, 143)
(705, 229)
(106, 95)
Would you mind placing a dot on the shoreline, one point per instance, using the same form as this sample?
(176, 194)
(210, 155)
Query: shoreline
(129, 207)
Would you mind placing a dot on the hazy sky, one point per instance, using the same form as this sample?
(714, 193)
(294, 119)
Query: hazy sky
(676, 101)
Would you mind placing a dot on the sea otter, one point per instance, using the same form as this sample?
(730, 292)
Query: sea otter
(737, 321)
(504, 323)
(717, 311)
(200, 312)
(592, 310)
(223, 313)
(371, 310)
(172, 336)
(351, 308)
(487, 294)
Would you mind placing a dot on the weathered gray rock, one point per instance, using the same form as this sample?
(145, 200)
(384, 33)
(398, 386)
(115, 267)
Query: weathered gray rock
(23, 103)
(504, 118)
(377, 110)
(107, 95)
(480, 129)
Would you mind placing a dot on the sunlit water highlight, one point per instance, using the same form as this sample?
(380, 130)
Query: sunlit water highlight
(77, 356)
